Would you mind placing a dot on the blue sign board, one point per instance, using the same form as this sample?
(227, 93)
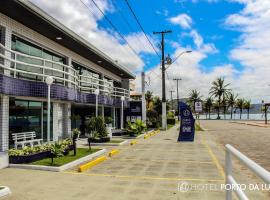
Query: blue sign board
(187, 129)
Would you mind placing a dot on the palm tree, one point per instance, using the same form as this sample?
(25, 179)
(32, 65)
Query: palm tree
(148, 99)
(232, 101)
(219, 89)
(224, 104)
(208, 105)
(247, 106)
(240, 105)
(194, 96)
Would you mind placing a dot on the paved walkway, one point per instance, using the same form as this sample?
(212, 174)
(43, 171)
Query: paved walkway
(154, 169)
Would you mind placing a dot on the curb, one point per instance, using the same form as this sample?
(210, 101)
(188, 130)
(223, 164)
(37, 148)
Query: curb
(61, 168)
(113, 152)
(109, 144)
(4, 191)
(133, 142)
(90, 164)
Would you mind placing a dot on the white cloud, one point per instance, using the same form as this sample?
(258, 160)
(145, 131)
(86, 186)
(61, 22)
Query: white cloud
(182, 20)
(252, 50)
(84, 22)
(201, 46)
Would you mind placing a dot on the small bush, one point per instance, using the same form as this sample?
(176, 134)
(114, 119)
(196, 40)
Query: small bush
(136, 128)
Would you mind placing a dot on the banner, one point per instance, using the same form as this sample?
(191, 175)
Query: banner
(187, 129)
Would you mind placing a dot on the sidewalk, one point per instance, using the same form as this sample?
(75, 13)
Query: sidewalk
(157, 168)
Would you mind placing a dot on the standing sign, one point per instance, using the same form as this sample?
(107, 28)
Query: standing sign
(187, 129)
(198, 106)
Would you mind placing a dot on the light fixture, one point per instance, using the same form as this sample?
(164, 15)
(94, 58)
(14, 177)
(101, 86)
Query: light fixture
(59, 38)
(96, 92)
(49, 80)
(99, 61)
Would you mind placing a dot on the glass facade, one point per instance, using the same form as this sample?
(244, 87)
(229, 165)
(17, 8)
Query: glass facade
(25, 116)
(28, 48)
(2, 41)
(86, 75)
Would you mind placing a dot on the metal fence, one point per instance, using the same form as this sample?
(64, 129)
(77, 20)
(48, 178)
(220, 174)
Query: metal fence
(38, 69)
(250, 164)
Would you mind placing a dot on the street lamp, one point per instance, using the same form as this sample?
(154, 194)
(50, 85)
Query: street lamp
(96, 93)
(49, 82)
(122, 112)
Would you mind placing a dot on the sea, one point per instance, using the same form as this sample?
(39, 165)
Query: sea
(236, 116)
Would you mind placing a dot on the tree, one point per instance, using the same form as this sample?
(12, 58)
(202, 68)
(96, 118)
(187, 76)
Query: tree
(219, 89)
(208, 105)
(232, 101)
(148, 99)
(194, 96)
(247, 106)
(240, 105)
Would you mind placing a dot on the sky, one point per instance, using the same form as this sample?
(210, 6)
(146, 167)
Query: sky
(228, 38)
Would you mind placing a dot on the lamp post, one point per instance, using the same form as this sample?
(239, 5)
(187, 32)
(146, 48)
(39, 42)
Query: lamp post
(96, 93)
(49, 82)
(122, 112)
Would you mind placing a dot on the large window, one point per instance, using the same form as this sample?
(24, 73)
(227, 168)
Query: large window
(28, 48)
(89, 79)
(27, 116)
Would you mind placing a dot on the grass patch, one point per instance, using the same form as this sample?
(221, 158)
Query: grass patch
(170, 126)
(81, 152)
(198, 127)
(115, 141)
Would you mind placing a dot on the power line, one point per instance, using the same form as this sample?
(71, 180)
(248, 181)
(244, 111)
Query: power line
(137, 20)
(112, 25)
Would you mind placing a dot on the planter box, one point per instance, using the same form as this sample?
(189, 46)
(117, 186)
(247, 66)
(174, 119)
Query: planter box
(29, 158)
(33, 157)
(61, 168)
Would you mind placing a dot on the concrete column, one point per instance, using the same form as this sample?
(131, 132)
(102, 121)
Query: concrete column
(58, 121)
(4, 123)
(66, 120)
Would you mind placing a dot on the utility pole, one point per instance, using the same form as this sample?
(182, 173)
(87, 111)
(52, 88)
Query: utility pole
(171, 91)
(177, 80)
(143, 98)
(164, 112)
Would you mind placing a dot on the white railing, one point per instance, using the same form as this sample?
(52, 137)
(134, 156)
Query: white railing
(67, 76)
(250, 164)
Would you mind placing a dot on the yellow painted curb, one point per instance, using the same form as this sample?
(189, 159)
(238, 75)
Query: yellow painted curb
(113, 152)
(151, 134)
(133, 142)
(90, 164)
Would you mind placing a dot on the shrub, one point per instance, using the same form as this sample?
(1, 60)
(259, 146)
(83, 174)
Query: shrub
(153, 119)
(136, 128)
(64, 145)
(170, 114)
(96, 127)
(108, 120)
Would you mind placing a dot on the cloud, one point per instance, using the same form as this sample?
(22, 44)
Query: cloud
(84, 22)
(201, 46)
(182, 20)
(252, 49)
(164, 12)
